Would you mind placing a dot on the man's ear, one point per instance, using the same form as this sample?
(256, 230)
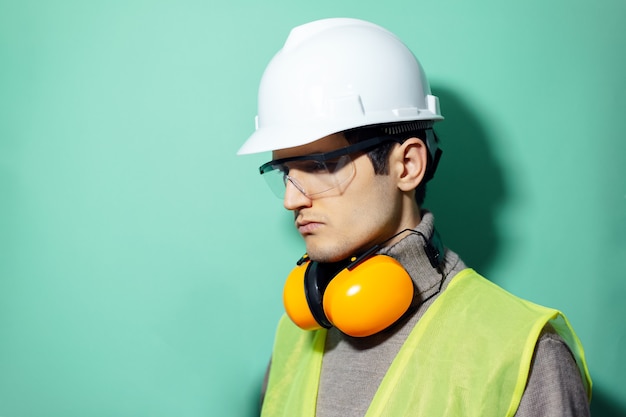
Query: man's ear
(409, 161)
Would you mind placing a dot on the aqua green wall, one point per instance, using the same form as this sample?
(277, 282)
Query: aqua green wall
(141, 261)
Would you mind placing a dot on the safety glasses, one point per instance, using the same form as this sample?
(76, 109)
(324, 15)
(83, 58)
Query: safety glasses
(315, 174)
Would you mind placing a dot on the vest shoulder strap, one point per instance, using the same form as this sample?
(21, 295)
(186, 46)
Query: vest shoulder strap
(470, 354)
(295, 371)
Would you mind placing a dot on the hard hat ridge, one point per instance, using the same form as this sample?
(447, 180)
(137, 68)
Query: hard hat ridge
(301, 33)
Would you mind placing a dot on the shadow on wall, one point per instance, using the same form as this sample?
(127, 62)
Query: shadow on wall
(468, 187)
(465, 196)
(256, 398)
(604, 406)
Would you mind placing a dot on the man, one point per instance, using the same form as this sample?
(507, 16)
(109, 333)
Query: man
(382, 319)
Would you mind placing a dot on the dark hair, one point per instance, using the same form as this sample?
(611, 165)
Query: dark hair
(380, 155)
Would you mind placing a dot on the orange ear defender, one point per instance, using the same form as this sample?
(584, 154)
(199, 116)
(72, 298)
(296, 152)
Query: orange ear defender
(359, 297)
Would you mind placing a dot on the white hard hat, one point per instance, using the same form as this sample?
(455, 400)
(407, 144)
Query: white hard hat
(337, 74)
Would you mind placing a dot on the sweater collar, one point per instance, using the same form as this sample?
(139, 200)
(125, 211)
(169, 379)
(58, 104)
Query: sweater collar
(409, 251)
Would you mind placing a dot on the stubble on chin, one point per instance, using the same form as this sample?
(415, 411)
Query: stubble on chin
(326, 253)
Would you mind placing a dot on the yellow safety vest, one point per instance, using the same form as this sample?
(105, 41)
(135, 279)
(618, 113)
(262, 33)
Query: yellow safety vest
(469, 355)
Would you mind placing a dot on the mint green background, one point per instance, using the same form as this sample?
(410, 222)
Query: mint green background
(141, 261)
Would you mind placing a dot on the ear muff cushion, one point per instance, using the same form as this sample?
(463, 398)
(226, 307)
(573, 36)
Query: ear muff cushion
(294, 299)
(368, 298)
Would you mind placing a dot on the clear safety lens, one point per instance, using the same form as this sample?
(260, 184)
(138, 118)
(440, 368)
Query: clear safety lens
(317, 173)
(310, 176)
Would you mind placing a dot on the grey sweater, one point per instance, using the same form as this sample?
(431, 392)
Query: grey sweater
(353, 368)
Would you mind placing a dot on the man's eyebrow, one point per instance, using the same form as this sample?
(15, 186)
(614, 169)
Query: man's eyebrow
(318, 152)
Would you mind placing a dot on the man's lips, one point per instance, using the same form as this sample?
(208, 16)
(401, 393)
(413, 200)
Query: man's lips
(306, 227)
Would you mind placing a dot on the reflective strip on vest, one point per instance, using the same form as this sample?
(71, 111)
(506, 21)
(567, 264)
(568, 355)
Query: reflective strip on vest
(470, 354)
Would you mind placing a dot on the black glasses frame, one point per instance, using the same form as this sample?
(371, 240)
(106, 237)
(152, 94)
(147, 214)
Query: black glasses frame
(362, 146)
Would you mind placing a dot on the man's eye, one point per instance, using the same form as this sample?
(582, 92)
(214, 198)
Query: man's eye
(318, 166)
(311, 167)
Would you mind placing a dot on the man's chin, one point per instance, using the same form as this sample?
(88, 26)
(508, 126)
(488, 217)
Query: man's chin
(326, 254)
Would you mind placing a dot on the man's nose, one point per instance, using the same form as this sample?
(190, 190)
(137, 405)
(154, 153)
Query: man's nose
(294, 196)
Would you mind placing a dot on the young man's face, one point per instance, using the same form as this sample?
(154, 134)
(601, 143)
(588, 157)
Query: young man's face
(364, 210)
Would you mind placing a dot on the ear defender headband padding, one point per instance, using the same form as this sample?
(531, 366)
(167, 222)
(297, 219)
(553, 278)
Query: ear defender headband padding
(360, 299)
